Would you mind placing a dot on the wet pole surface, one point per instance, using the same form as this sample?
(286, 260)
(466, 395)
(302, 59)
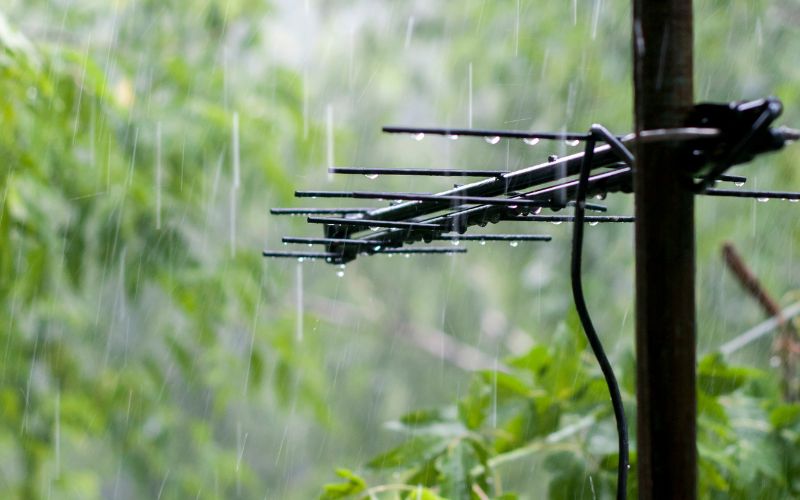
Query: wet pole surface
(665, 256)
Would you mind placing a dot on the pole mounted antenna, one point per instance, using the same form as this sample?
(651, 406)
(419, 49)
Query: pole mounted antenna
(701, 146)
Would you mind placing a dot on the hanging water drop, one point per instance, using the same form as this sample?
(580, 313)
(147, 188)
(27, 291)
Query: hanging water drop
(514, 244)
(536, 211)
(452, 137)
(340, 274)
(572, 142)
(493, 139)
(531, 141)
(739, 184)
(419, 136)
(300, 259)
(594, 223)
(371, 177)
(556, 222)
(601, 196)
(483, 243)
(762, 200)
(794, 200)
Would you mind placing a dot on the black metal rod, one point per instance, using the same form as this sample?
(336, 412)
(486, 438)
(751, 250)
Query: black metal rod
(299, 255)
(430, 172)
(506, 134)
(493, 237)
(318, 211)
(760, 195)
(445, 237)
(333, 241)
(738, 179)
(569, 218)
(430, 250)
(471, 200)
(375, 223)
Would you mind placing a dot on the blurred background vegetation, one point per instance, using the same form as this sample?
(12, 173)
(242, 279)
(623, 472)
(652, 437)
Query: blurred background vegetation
(149, 351)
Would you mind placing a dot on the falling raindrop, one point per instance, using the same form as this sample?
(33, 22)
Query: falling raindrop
(158, 175)
(329, 138)
(235, 151)
(409, 30)
(493, 139)
(298, 298)
(531, 141)
(419, 136)
(469, 97)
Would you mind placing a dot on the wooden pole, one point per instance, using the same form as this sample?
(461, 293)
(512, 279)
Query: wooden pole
(665, 256)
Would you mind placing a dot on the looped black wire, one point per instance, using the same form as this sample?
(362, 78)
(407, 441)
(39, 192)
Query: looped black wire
(598, 132)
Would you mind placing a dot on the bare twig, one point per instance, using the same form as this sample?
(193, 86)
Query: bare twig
(786, 346)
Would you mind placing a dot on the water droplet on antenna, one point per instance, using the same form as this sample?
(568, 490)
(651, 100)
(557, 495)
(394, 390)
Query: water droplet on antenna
(419, 136)
(531, 141)
(371, 177)
(514, 244)
(762, 200)
(493, 139)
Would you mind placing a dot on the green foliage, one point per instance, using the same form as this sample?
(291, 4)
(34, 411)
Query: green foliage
(745, 434)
